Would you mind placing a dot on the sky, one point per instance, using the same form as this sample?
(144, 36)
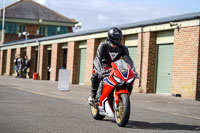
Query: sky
(95, 14)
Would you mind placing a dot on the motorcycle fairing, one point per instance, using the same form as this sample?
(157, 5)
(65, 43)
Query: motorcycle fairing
(106, 109)
(108, 87)
(108, 82)
(121, 70)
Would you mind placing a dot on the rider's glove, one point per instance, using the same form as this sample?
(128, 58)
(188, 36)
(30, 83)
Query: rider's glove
(104, 73)
(136, 75)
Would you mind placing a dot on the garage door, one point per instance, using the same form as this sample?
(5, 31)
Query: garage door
(164, 68)
(131, 42)
(82, 65)
(133, 54)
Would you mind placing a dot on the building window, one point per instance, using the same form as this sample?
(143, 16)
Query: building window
(63, 30)
(43, 31)
(55, 30)
(10, 28)
(21, 28)
(52, 30)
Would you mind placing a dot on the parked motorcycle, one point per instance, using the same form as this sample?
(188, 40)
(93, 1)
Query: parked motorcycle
(114, 99)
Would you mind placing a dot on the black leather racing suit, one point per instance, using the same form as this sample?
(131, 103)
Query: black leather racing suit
(104, 57)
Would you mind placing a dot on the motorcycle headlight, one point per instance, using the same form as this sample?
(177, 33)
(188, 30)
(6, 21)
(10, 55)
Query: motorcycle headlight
(118, 80)
(130, 81)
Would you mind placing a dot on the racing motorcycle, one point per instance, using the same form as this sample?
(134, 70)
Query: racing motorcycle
(114, 99)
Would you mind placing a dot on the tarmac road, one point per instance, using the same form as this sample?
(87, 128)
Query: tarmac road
(28, 106)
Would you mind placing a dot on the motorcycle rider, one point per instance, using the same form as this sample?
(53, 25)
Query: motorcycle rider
(109, 51)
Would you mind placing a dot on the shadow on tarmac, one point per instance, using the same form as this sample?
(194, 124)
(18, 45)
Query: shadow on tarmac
(161, 126)
(158, 126)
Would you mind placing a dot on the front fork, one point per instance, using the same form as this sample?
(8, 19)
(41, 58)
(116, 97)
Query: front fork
(116, 95)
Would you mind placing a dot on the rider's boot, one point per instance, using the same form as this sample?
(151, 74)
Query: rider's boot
(92, 99)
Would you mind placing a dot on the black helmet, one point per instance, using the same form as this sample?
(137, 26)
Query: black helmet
(115, 36)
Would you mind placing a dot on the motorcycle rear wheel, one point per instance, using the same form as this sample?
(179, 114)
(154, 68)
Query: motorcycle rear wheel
(95, 113)
(122, 112)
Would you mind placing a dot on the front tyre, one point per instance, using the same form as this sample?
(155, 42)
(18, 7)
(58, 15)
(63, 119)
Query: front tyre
(95, 113)
(122, 110)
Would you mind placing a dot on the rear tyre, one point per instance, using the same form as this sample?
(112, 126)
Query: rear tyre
(95, 113)
(122, 110)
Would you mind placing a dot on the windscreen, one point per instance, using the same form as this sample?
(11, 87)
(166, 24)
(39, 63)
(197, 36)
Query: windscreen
(122, 65)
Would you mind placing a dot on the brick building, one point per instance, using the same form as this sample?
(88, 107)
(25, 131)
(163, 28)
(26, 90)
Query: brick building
(38, 20)
(165, 51)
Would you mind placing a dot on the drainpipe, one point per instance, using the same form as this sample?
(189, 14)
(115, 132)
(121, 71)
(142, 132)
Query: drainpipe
(3, 23)
(38, 64)
(198, 72)
(141, 56)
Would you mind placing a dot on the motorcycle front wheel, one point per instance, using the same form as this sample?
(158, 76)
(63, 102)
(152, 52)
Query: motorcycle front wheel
(95, 113)
(122, 110)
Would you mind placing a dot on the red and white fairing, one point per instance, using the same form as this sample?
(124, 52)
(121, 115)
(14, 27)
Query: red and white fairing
(121, 75)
